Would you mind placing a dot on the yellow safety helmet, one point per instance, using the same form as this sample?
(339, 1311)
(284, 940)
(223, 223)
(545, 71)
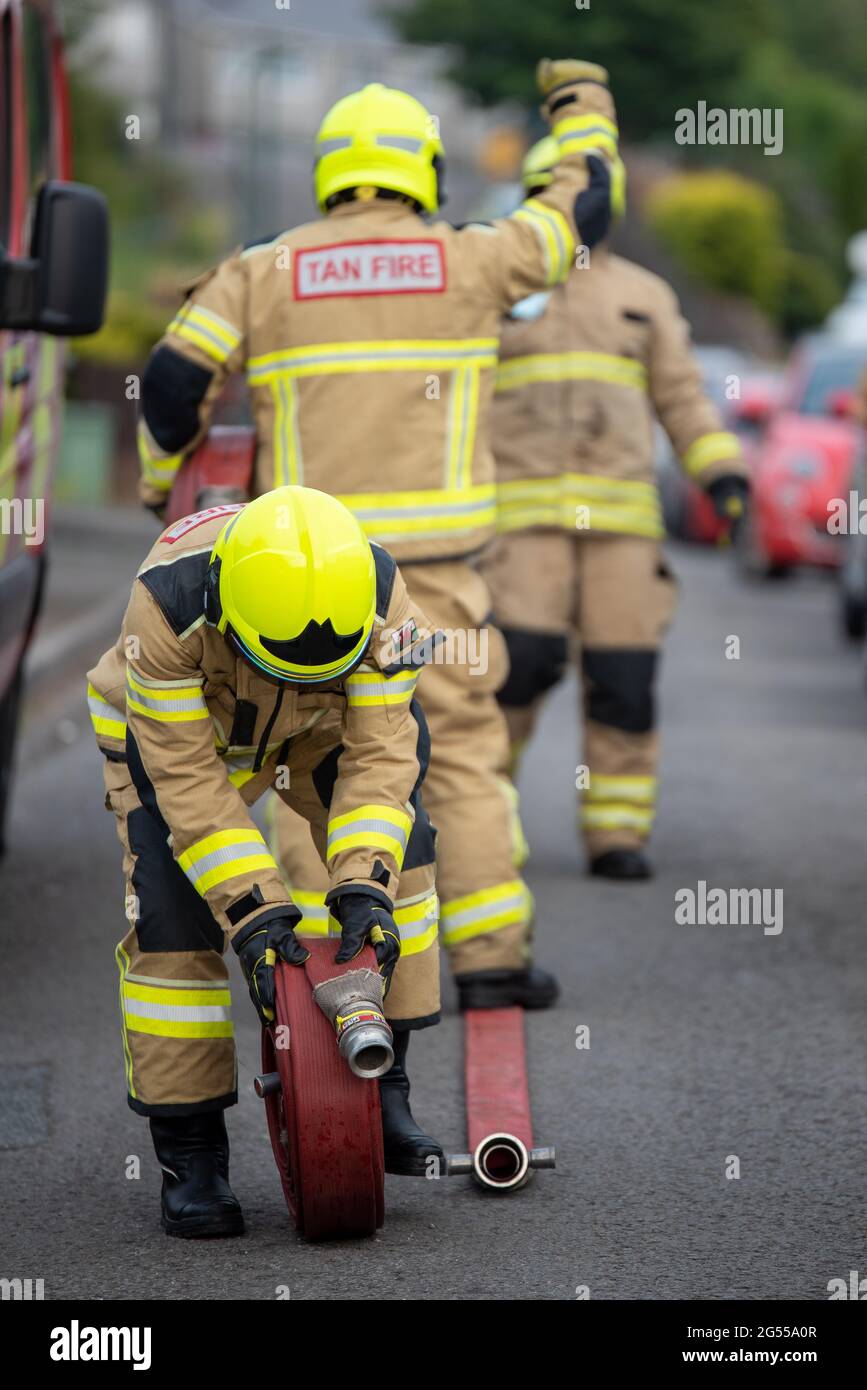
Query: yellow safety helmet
(292, 585)
(537, 171)
(379, 137)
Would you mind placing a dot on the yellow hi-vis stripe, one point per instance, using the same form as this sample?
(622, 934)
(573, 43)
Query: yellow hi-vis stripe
(174, 1010)
(461, 431)
(555, 234)
(619, 803)
(417, 919)
(316, 920)
(14, 360)
(122, 959)
(157, 469)
(168, 704)
(206, 331)
(373, 355)
(640, 790)
(586, 133)
(617, 817)
(485, 911)
(106, 720)
(425, 513)
(288, 466)
(582, 502)
(370, 827)
(224, 855)
(710, 448)
(370, 688)
(537, 367)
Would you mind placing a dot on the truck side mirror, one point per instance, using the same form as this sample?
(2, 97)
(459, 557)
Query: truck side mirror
(60, 288)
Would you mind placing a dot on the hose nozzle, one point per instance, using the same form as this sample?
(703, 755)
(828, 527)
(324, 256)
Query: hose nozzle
(501, 1162)
(352, 1003)
(364, 1040)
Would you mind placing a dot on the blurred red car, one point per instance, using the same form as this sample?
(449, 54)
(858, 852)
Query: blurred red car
(804, 458)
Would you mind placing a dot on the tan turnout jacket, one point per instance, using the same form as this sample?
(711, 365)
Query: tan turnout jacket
(212, 734)
(577, 390)
(369, 342)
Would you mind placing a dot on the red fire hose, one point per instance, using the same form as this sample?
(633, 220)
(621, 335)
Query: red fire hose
(324, 1122)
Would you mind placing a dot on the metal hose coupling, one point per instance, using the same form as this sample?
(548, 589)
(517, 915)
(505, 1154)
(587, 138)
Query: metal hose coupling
(353, 1005)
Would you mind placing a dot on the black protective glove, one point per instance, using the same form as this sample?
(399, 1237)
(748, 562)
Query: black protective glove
(157, 508)
(730, 495)
(362, 919)
(593, 204)
(258, 946)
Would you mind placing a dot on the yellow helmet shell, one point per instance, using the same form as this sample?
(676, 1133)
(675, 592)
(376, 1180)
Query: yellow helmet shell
(378, 137)
(297, 585)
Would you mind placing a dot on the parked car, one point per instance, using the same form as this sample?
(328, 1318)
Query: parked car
(804, 459)
(53, 270)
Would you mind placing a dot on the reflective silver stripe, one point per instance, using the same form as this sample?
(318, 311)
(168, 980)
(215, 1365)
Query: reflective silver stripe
(410, 929)
(400, 142)
(202, 332)
(545, 219)
(227, 854)
(384, 687)
(364, 827)
(183, 1013)
(170, 706)
(426, 355)
(478, 914)
(104, 710)
(338, 142)
(586, 130)
(198, 311)
(442, 509)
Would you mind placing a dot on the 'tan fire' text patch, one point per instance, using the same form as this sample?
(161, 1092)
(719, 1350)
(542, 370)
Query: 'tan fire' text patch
(370, 267)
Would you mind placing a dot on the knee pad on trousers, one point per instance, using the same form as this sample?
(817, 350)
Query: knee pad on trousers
(619, 688)
(537, 661)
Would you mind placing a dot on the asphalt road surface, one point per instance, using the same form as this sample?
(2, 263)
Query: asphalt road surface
(708, 1043)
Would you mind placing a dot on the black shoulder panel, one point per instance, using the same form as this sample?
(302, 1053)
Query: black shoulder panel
(386, 568)
(179, 589)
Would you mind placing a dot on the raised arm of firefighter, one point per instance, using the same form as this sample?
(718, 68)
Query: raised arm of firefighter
(708, 453)
(185, 373)
(385, 754)
(535, 248)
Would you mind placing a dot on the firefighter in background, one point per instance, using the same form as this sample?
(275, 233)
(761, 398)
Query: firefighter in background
(252, 647)
(579, 563)
(369, 340)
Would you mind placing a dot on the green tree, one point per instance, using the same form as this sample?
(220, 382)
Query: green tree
(662, 53)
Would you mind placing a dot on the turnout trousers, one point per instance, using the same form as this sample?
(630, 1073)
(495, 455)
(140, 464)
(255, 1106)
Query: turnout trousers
(178, 1043)
(485, 906)
(604, 602)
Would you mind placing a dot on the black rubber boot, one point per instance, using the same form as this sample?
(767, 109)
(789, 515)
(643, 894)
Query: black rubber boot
(193, 1152)
(502, 989)
(407, 1149)
(624, 864)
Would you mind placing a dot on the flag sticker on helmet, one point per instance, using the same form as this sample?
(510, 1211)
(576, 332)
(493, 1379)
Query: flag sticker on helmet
(370, 267)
